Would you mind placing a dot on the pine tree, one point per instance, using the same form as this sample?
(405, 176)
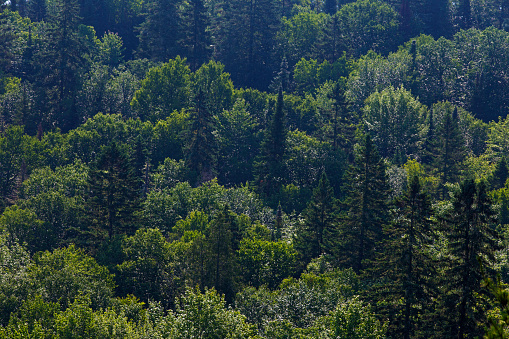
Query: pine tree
(405, 267)
(365, 206)
(113, 194)
(318, 232)
(271, 167)
(472, 241)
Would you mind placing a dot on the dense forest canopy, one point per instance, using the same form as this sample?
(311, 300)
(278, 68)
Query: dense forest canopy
(254, 169)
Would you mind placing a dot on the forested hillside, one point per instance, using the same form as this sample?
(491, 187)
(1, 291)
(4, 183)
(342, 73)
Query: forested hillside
(254, 169)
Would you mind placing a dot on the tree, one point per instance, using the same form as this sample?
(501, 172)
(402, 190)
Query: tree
(245, 41)
(368, 25)
(164, 90)
(406, 267)
(238, 144)
(59, 62)
(449, 150)
(223, 243)
(394, 118)
(113, 194)
(270, 168)
(146, 271)
(365, 207)
(159, 32)
(196, 38)
(201, 155)
(472, 241)
(205, 315)
(65, 274)
(318, 232)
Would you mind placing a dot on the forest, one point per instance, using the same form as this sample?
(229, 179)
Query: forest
(254, 169)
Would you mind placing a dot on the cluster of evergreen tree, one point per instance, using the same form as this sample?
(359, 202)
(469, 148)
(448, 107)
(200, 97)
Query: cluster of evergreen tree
(253, 169)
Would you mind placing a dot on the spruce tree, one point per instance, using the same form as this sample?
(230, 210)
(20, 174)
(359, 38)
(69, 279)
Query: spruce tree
(59, 63)
(405, 267)
(201, 157)
(472, 243)
(449, 151)
(196, 38)
(113, 195)
(270, 167)
(317, 234)
(500, 174)
(365, 207)
(160, 32)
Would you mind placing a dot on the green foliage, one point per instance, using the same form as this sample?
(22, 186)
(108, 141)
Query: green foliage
(207, 316)
(265, 262)
(113, 195)
(146, 271)
(366, 206)
(394, 118)
(164, 90)
(65, 274)
(14, 277)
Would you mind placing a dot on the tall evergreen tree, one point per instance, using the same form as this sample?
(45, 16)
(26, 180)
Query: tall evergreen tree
(405, 266)
(223, 242)
(160, 31)
(472, 241)
(271, 167)
(59, 63)
(196, 38)
(330, 7)
(449, 151)
(113, 194)
(318, 231)
(365, 206)
(245, 41)
(201, 157)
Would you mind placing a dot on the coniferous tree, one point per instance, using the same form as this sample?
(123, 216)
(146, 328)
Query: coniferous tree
(330, 7)
(271, 168)
(201, 157)
(365, 207)
(196, 38)
(472, 242)
(159, 33)
(318, 231)
(500, 174)
(223, 242)
(405, 266)
(427, 156)
(59, 63)
(113, 195)
(449, 151)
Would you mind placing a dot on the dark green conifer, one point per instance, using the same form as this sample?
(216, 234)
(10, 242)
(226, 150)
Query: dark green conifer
(472, 242)
(365, 207)
(318, 235)
(113, 195)
(404, 269)
(271, 168)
